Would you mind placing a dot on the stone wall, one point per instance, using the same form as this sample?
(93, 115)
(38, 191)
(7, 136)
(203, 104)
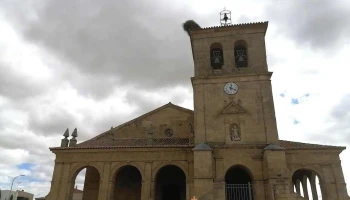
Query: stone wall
(168, 118)
(257, 124)
(254, 37)
(326, 165)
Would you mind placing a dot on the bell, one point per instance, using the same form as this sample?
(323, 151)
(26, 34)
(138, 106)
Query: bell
(225, 17)
(240, 55)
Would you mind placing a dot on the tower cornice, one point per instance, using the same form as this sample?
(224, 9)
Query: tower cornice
(266, 76)
(244, 28)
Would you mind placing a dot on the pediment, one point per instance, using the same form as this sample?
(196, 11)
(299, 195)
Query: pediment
(166, 117)
(233, 108)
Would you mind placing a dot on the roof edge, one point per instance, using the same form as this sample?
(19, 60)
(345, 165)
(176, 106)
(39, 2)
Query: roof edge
(264, 24)
(145, 115)
(123, 147)
(319, 146)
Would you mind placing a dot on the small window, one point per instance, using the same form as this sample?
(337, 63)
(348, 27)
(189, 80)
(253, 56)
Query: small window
(216, 56)
(241, 55)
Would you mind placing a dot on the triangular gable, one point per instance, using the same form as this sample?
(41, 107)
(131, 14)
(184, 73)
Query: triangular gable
(233, 108)
(168, 105)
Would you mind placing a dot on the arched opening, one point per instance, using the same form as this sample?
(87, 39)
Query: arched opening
(301, 190)
(241, 54)
(318, 188)
(238, 183)
(170, 183)
(309, 191)
(216, 56)
(86, 184)
(294, 188)
(308, 184)
(127, 184)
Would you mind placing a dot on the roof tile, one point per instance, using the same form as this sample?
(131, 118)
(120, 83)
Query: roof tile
(299, 145)
(111, 143)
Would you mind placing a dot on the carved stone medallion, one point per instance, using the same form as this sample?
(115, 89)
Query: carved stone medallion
(169, 132)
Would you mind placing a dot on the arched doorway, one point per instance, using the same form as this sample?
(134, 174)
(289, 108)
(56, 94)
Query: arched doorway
(238, 184)
(170, 183)
(86, 184)
(127, 184)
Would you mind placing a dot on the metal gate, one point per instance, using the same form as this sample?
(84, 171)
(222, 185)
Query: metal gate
(239, 192)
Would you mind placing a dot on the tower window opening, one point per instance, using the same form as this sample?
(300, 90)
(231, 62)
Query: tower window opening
(216, 56)
(241, 55)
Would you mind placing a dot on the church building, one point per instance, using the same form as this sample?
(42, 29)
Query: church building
(226, 148)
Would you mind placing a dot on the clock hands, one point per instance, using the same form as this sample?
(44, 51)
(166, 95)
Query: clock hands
(231, 88)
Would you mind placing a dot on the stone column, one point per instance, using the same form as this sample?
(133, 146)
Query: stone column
(104, 182)
(70, 189)
(199, 113)
(66, 185)
(189, 179)
(110, 191)
(55, 183)
(297, 186)
(219, 183)
(313, 186)
(187, 190)
(305, 190)
(340, 181)
(153, 190)
(268, 112)
(259, 189)
(276, 173)
(329, 186)
(203, 169)
(219, 192)
(146, 182)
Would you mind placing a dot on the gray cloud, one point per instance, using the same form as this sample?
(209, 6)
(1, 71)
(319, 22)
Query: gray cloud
(115, 42)
(319, 24)
(17, 87)
(50, 121)
(339, 131)
(102, 47)
(342, 109)
(146, 103)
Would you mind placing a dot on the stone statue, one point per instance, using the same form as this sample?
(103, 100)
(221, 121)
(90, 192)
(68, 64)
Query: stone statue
(235, 133)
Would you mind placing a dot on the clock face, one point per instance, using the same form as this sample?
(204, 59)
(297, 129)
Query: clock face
(231, 88)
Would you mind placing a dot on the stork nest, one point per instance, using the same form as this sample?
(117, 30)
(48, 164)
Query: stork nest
(190, 25)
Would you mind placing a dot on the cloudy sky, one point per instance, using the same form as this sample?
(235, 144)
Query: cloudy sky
(95, 64)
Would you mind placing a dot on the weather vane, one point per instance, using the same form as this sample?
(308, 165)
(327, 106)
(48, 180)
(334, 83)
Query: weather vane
(225, 17)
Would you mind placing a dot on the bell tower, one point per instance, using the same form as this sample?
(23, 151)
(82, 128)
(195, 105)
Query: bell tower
(233, 101)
